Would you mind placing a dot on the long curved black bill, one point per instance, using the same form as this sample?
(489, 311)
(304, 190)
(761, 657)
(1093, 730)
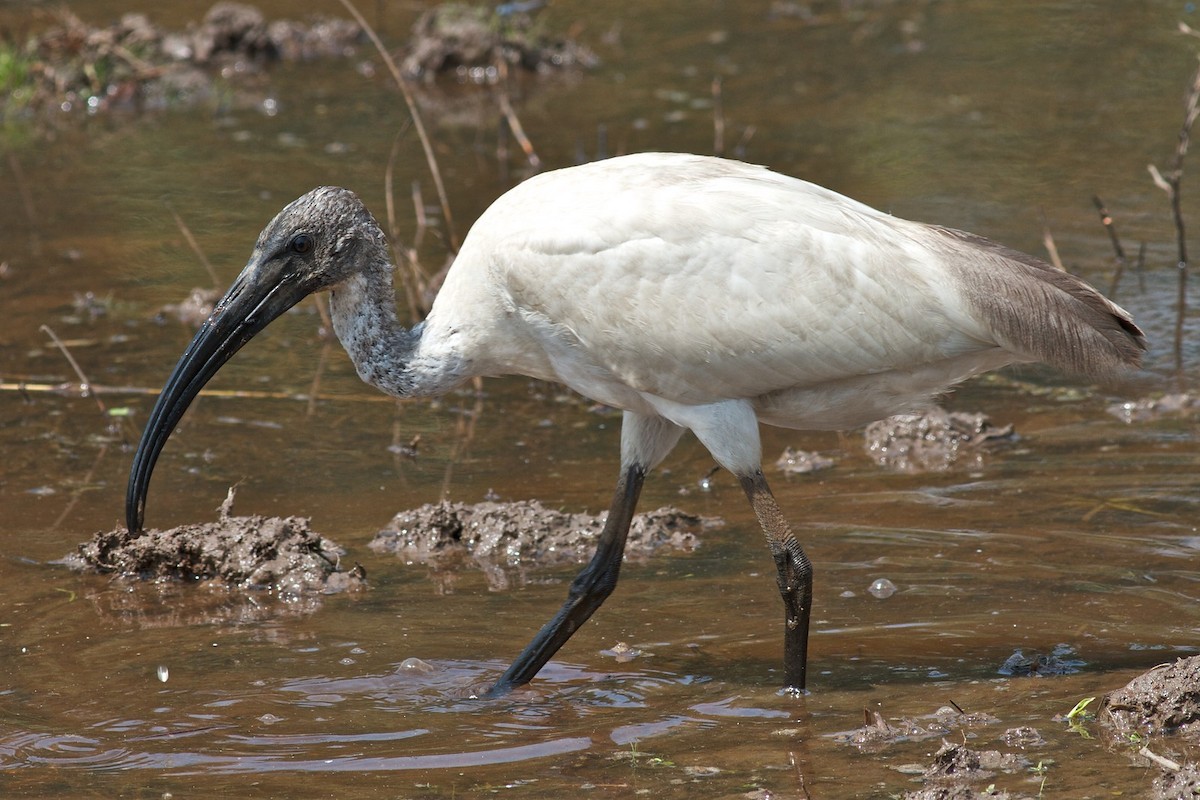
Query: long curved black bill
(256, 298)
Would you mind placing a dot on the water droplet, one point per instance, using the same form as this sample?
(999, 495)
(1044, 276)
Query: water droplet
(164, 674)
(882, 588)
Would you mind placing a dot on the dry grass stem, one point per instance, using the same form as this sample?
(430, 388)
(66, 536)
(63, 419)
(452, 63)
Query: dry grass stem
(514, 124)
(192, 243)
(1171, 182)
(418, 124)
(1048, 243)
(1107, 221)
(85, 386)
(718, 119)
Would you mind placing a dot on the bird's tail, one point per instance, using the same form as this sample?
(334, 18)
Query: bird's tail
(1045, 313)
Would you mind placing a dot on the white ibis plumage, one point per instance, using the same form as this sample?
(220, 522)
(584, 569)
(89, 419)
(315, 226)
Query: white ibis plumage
(694, 293)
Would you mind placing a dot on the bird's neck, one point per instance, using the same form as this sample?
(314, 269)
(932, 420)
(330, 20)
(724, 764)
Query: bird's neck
(364, 317)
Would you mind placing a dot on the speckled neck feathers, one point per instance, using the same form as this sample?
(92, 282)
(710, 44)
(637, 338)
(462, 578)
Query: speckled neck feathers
(363, 303)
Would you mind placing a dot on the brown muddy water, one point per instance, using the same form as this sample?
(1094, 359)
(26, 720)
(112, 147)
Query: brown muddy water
(1077, 539)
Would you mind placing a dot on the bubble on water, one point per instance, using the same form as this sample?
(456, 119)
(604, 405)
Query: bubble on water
(416, 665)
(882, 588)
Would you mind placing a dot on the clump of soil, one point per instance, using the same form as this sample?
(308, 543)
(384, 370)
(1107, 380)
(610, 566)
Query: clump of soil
(524, 533)
(956, 767)
(282, 556)
(134, 63)
(1176, 783)
(931, 442)
(474, 43)
(1162, 701)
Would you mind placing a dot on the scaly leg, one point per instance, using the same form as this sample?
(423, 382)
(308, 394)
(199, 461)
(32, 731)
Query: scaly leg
(794, 577)
(588, 591)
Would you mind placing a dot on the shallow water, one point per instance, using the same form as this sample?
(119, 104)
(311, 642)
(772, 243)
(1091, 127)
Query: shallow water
(980, 115)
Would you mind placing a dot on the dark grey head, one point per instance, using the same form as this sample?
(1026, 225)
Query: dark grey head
(316, 242)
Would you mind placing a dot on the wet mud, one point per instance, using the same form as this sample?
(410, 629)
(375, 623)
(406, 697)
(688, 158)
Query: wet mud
(133, 63)
(1154, 719)
(475, 43)
(1160, 708)
(932, 442)
(505, 539)
(1164, 700)
(282, 556)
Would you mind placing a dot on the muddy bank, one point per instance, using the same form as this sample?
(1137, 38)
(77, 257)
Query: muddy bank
(135, 64)
(1153, 720)
(1162, 701)
(282, 556)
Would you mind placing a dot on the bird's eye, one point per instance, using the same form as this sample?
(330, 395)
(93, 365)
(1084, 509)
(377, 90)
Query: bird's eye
(301, 244)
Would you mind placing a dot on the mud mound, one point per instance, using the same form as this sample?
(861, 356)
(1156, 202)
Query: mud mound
(473, 42)
(283, 556)
(1176, 783)
(931, 442)
(956, 768)
(1164, 700)
(524, 533)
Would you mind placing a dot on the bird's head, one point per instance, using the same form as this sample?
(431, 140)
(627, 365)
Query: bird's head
(315, 243)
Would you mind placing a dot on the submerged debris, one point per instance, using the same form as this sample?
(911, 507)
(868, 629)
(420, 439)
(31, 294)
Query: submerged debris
(877, 732)
(1164, 700)
(194, 309)
(802, 462)
(1151, 408)
(495, 536)
(475, 42)
(282, 556)
(134, 63)
(931, 442)
(1056, 662)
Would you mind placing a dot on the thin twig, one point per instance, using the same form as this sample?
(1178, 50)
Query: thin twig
(192, 243)
(1138, 265)
(718, 119)
(1171, 184)
(1048, 242)
(464, 436)
(418, 124)
(1162, 761)
(323, 313)
(412, 275)
(739, 150)
(315, 388)
(518, 132)
(78, 491)
(85, 386)
(1107, 221)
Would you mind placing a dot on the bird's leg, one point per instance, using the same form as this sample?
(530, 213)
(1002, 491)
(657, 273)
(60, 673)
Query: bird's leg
(794, 577)
(588, 591)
